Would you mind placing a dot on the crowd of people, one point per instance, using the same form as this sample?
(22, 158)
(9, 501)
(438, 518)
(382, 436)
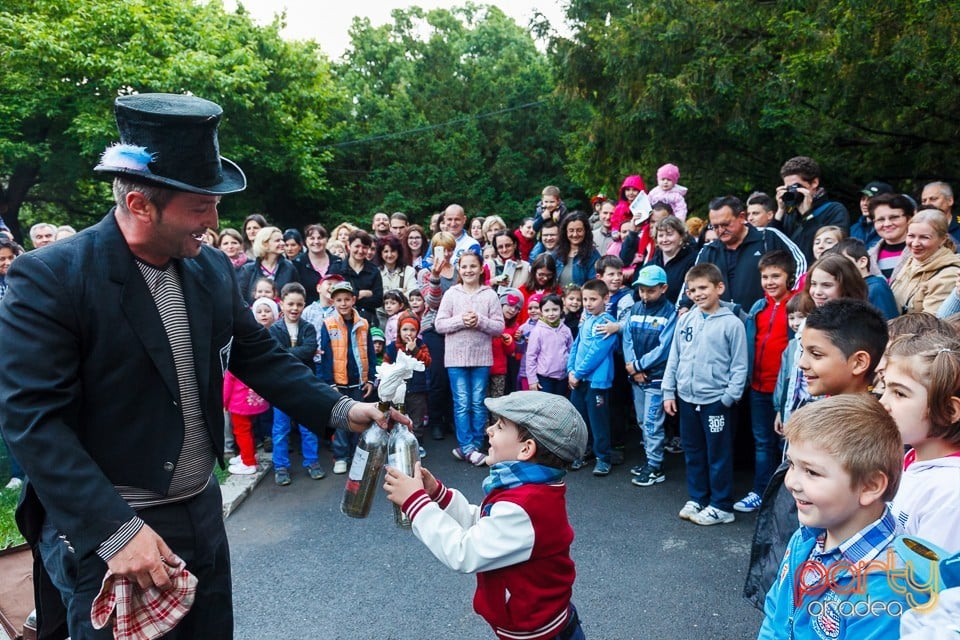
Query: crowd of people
(776, 315)
(742, 322)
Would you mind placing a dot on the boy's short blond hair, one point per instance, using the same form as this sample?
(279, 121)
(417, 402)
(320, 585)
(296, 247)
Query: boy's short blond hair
(551, 190)
(445, 240)
(856, 430)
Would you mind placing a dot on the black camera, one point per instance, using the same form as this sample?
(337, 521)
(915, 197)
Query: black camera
(792, 197)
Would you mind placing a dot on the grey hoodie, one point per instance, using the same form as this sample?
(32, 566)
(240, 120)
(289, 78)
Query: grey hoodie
(708, 358)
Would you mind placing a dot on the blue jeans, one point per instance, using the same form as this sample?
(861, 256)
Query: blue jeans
(344, 440)
(595, 410)
(344, 444)
(575, 633)
(706, 432)
(648, 404)
(469, 387)
(762, 415)
(281, 445)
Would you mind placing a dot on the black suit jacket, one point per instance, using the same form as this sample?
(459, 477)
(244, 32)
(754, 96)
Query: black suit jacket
(310, 278)
(88, 390)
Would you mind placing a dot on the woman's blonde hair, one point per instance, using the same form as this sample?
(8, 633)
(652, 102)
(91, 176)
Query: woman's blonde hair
(695, 226)
(489, 221)
(938, 222)
(343, 225)
(261, 242)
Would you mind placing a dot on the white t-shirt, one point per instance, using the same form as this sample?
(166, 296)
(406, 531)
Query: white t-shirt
(294, 331)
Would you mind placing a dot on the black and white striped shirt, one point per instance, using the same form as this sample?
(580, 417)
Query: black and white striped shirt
(195, 463)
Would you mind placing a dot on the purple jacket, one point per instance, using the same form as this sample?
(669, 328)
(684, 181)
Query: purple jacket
(547, 351)
(465, 347)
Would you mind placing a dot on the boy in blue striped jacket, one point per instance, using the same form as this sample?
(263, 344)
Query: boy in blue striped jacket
(647, 335)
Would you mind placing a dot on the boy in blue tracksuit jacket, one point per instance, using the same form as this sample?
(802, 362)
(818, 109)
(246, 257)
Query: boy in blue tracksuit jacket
(590, 372)
(844, 574)
(647, 335)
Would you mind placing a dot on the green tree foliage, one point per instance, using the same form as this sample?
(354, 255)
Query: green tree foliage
(65, 61)
(430, 68)
(729, 90)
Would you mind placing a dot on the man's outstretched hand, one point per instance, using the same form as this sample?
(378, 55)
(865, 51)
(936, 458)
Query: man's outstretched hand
(363, 413)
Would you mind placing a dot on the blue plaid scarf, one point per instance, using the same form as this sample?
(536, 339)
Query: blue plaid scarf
(507, 475)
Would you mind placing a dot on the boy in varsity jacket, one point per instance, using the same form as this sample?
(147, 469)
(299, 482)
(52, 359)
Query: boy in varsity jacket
(518, 539)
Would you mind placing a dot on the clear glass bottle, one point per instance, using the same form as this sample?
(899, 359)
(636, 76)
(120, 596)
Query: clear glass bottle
(363, 478)
(403, 453)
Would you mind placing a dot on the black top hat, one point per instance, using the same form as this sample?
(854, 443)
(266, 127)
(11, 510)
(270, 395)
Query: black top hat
(170, 140)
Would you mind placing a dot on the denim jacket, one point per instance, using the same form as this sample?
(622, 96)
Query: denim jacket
(583, 270)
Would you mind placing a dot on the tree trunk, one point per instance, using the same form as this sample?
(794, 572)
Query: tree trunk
(21, 181)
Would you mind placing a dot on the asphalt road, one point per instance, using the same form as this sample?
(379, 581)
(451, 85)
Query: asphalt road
(301, 569)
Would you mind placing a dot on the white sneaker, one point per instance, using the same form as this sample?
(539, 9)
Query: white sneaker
(14, 484)
(235, 460)
(241, 469)
(340, 466)
(712, 515)
(477, 458)
(689, 510)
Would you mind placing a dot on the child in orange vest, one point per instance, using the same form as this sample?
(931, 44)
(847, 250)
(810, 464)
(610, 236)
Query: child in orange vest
(348, 361)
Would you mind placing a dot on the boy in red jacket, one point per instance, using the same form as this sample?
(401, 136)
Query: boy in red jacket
(768, 333)
(524, 583)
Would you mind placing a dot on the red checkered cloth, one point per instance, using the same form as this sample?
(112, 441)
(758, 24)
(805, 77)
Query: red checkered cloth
(138, 614)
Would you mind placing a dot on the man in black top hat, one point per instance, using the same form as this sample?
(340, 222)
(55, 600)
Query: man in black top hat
(115, 346)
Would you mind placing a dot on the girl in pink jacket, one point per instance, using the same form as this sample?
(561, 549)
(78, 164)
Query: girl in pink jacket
(468, 317)
(243, 404)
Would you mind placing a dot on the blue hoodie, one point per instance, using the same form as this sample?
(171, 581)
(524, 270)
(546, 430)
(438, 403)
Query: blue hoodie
(880, 296)
(647, 337)
(591, 356)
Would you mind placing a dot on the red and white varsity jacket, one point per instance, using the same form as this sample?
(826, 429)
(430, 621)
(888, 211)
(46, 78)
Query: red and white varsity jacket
(517, 542)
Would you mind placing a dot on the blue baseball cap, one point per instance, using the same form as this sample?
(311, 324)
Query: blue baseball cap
(651, 276)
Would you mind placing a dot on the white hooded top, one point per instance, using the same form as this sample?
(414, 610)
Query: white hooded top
(927, 503)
